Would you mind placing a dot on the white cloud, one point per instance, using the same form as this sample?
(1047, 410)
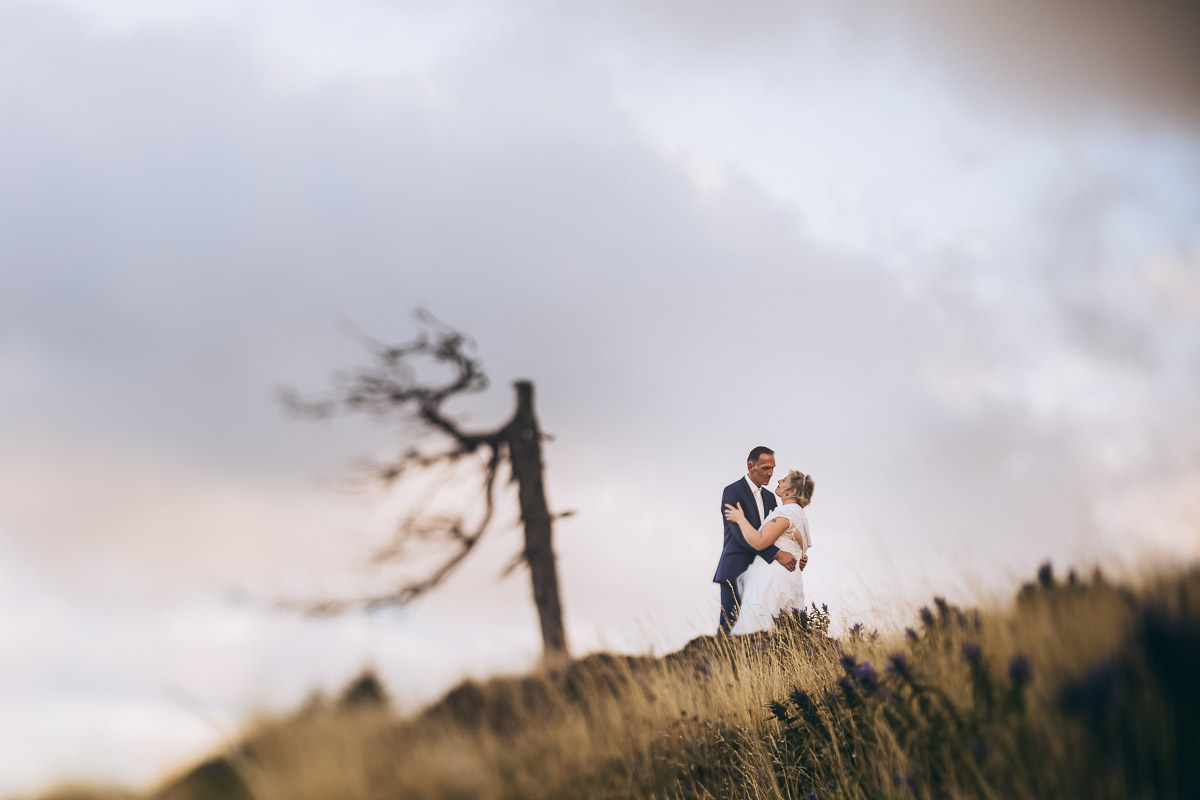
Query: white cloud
(1174, 283)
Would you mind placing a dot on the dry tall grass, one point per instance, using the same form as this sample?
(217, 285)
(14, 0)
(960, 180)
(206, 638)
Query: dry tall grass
(1024, 701)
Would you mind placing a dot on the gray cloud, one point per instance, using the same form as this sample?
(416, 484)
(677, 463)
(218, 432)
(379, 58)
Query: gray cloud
(1112, 57)
(1135, 62)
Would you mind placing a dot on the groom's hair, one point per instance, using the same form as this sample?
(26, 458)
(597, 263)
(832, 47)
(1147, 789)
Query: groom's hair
(758, 451)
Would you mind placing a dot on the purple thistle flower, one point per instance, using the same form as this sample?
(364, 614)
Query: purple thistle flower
(824, 607)
(1020, 672)
(926, 616)
(866, 676)
(972, 652)
(898, 663)
(848, 664)
(808, 628)
(910, 634)
(1092, 696)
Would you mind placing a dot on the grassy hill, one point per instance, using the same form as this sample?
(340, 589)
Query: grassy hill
(1081, 689)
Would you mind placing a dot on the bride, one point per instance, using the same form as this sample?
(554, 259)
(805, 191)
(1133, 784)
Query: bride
(765, 590)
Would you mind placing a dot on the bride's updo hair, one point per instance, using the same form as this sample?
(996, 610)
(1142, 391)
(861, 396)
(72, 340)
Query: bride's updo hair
(799, 486)
(806, 494)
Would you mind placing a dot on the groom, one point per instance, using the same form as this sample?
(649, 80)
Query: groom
(736, 555)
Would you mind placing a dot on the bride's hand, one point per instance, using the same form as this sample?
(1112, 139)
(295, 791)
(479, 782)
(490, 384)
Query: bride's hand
(734, 513)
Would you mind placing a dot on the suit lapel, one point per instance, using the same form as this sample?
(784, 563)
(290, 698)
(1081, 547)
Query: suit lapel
(769, 504)
(751, 506)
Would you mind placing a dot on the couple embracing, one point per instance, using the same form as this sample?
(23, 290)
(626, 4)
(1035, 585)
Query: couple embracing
(753, 592)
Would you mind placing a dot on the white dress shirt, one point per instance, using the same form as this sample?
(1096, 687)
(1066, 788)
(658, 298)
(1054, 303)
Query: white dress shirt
(757, 491)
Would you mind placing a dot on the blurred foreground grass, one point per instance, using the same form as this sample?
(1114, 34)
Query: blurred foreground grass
(1082, 688)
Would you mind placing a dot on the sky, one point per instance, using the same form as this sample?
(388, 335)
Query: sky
(943, 258)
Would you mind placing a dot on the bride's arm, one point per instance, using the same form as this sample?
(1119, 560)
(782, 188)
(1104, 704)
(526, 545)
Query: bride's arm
(755, 538)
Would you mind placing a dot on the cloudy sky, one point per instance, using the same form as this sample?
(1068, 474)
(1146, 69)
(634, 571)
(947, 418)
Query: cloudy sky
(945, 259)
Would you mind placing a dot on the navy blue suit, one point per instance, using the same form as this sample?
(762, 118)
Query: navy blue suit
(736, 553)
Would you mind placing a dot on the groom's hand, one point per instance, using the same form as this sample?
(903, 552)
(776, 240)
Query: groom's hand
(786, 560)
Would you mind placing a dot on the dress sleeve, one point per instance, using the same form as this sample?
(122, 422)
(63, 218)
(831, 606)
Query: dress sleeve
(769, 552)
(775, 513)
(787, 512)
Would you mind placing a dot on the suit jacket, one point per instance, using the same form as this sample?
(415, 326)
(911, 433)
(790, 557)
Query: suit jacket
(736, 553)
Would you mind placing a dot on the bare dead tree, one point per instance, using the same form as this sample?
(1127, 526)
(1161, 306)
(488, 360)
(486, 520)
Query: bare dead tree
(391, 387)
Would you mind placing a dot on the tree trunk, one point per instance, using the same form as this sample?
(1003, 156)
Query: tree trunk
(525, 451)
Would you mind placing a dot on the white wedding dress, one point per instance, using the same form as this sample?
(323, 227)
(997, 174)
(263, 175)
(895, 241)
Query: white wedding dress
(767, 588)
